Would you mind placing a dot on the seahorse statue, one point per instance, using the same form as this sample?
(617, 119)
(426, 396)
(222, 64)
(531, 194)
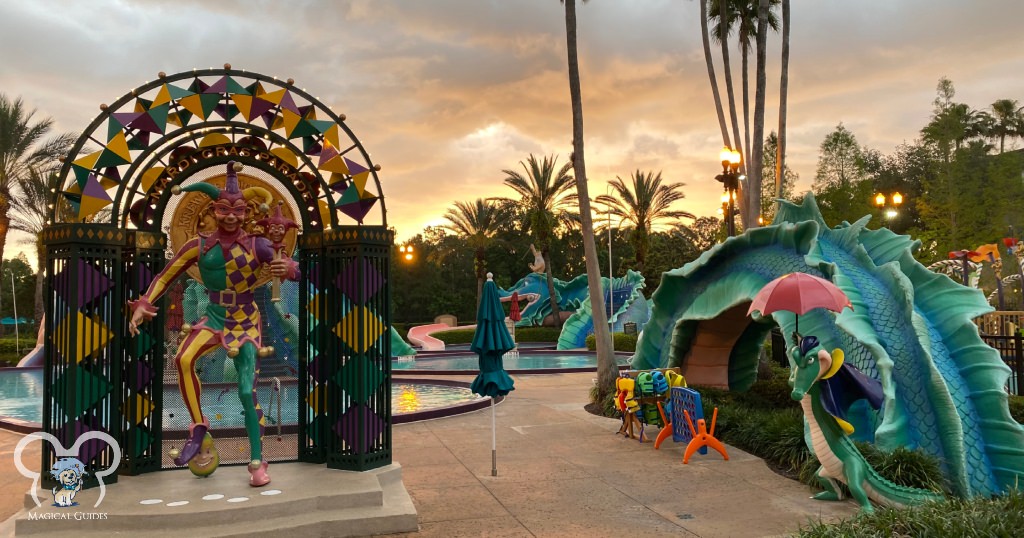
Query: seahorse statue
(943, 388)
(826, 386)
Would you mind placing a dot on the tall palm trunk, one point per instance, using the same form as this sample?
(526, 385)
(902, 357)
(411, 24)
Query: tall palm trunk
(556, 313)
(5, 221)
(754, 177)
(481, 274)
(711, 71)
(41, 261)
(744, 46)
(727, 67)
(607, 369)
(780, 155)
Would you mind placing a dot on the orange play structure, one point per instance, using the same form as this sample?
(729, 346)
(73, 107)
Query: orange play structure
(702, 437)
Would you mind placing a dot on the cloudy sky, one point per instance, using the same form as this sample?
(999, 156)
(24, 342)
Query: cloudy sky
(445, 94)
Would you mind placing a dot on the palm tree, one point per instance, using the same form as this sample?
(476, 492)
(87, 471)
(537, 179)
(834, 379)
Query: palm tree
(745, 13)
(30, 210)
(757, 153)
(1008, 119)
(711, 71)
(641, 205)
(607, 368)
(22, 149)
(475, 223)
(723, 26)
(547, 195)
(780, 149)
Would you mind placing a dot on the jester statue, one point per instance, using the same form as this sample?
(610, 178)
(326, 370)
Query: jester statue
(229, 261)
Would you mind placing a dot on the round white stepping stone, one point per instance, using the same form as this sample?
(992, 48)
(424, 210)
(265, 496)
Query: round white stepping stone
(238, 499)
(213, 497)
(177, 503)
(151, 501)
(271, 492)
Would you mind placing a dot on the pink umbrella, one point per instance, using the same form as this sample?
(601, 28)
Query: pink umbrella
(798, 293)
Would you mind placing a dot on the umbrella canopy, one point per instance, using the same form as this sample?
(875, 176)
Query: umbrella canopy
(491, 341)
(513, 311)
(798, 293)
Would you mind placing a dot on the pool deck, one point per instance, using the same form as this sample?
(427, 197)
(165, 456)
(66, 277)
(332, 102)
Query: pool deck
(561, 472)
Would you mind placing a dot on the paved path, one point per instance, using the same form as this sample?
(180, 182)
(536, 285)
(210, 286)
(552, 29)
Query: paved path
(562, 472)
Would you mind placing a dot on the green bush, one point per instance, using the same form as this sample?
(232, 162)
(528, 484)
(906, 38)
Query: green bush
(1001, 516)
(607, 407)
(8, 345)
(620, 341)
(523, 334)
(537, 334)
(1017, 408)
(911, 468)
(455, 336)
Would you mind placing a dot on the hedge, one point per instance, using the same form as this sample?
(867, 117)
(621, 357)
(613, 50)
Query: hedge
(620, 341)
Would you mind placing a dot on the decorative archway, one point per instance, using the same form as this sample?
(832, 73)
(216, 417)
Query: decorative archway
(108, 233)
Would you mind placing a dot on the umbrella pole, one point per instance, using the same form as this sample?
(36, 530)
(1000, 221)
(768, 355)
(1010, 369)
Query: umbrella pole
(494, 443)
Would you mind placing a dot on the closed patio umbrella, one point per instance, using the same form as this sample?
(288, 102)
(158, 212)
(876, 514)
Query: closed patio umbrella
(490, 341)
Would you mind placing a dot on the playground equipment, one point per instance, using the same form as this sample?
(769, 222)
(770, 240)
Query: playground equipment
(573, 296)
(702, 437)
(910, 329)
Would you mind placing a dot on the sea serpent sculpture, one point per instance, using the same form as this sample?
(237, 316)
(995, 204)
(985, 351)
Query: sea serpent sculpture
(910, 329)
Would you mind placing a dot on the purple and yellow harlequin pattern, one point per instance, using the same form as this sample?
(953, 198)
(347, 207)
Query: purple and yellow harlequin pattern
(152, 115)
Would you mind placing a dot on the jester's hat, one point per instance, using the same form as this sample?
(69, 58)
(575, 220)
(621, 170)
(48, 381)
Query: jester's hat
(231, 192)
(277, 218)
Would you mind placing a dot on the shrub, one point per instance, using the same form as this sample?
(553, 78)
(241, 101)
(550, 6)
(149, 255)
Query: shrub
(620, 342)
(1017, 408)
(911, 468)
(523, 334)
(455, 336)
(607, 407)
(537, 334)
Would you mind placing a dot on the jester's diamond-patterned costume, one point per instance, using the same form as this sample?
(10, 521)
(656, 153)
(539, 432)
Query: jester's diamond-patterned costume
(229, 264)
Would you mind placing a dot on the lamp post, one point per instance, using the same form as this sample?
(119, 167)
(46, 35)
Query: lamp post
(889, 205)
(730, 178)
(406, 252)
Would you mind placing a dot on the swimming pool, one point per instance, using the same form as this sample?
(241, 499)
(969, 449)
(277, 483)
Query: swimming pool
(523, 362)
(21, 397)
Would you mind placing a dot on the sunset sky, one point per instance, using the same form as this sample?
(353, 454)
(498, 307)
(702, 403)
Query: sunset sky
(445, 94)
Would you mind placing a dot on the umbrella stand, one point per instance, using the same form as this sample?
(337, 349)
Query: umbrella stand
(494, 443)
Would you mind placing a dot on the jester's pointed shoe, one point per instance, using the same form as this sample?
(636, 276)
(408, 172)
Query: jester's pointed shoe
(196, 433)
(258, 473)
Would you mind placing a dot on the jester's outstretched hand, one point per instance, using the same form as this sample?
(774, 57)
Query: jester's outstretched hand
(229, 261)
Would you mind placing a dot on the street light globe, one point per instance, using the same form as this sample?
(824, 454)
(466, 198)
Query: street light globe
(891, 213)
(880, 199)
(408, 256)
(734, 157)
(725, 198)
(897, 198)
(725, 156)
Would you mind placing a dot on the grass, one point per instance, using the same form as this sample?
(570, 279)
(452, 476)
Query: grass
(975, 518)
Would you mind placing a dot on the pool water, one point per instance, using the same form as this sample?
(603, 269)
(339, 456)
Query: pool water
(21, 396)
(511, 362)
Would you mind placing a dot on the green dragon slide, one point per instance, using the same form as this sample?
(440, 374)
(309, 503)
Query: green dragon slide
(910, 329)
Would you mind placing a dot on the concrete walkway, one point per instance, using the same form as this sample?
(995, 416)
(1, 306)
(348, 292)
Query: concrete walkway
(561, 472)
